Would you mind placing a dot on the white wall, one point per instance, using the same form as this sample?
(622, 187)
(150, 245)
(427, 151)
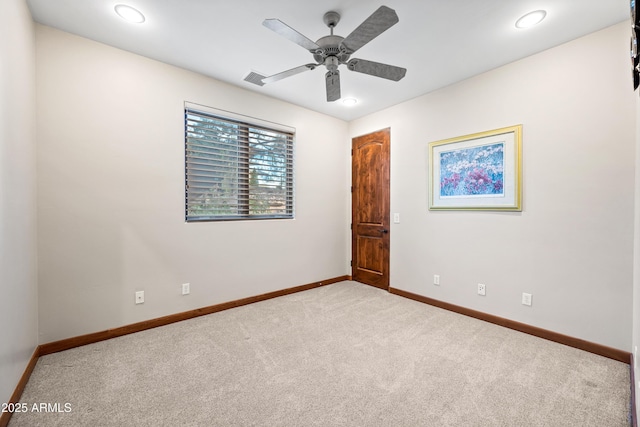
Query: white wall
(18, 260)
(111, 193)
(572, 244)
(636, 262)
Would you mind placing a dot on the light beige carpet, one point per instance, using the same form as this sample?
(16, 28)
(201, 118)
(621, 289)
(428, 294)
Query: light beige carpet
(341, 355)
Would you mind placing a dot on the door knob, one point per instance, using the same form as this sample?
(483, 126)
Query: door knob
(385, 231)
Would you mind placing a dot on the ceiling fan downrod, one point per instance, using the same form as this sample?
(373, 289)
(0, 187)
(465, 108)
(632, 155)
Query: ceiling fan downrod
(331, 19)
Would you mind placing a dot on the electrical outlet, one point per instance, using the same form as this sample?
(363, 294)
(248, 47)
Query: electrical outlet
(482, 289)
(186, 288)
(140, 297)
(526, 299)
(436, 279)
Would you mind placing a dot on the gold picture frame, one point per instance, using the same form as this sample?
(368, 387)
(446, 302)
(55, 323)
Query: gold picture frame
(481, 171)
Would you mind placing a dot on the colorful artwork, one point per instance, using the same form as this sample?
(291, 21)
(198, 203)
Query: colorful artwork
(473, 172)
(481, 171)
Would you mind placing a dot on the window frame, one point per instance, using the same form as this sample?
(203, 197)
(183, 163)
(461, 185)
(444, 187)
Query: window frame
(247, 126)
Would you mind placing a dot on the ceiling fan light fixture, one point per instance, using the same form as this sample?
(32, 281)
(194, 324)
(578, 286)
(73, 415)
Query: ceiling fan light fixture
(531, 19)
(129, 14)
(349, 102)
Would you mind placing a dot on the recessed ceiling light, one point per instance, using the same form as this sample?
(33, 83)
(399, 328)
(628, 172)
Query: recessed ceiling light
(531, 19)
(129, 14)
(349, 101)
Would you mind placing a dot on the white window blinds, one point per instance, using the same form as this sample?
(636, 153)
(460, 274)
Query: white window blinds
(235, 169)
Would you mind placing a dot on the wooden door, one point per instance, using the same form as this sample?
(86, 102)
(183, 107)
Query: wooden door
(370, 209)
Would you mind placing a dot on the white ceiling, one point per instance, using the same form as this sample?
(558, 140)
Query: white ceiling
(439, 42)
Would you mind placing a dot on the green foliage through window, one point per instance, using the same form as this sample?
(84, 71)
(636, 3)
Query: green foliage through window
(236, 170)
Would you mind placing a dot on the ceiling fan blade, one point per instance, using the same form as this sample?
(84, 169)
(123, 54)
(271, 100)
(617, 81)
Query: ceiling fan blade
(289, 73)
(380, 21)
(333, 85)
(289, 33)
(377, 69)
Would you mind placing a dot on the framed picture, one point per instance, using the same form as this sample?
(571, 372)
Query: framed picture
(482, 171)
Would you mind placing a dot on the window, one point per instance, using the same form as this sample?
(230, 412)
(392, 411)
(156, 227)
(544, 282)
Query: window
(236, 168)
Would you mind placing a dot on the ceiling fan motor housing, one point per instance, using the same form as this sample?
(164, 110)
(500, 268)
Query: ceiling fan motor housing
(330, 47)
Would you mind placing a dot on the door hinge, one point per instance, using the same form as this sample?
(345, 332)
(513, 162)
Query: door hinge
(352, 151)
(352, 188)
(351, 263)
(351, 226)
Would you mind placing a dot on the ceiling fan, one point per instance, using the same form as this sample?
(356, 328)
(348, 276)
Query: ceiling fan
(332, 50)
